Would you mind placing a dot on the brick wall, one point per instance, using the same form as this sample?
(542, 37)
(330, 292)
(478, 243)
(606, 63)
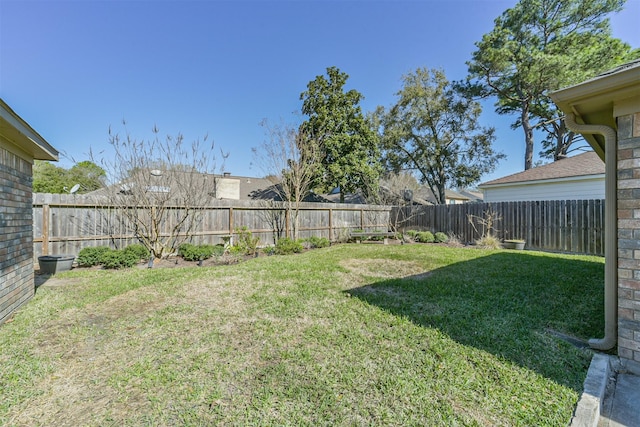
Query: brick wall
(629, 241)
(16, 233)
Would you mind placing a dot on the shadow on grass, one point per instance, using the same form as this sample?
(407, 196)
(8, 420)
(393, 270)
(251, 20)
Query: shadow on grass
(510, 304)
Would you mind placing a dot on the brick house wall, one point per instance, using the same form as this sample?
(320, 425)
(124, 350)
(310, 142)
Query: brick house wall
(628, 191)
(16, 236)
(20, 145)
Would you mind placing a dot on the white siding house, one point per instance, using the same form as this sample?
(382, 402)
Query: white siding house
(575, 178)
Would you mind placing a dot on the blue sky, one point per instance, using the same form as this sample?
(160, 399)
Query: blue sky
(71, 69)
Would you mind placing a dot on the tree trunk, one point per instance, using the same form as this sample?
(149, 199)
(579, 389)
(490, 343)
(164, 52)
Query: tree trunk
(528, 138)
(441, 196)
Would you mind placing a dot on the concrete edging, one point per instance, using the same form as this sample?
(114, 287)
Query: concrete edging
(587, 412)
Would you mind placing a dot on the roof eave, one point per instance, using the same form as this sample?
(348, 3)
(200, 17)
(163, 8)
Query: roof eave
(16, 131)
(594, 101)
(544, 181)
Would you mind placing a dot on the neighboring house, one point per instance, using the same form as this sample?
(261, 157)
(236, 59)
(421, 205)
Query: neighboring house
(455, 198)
(221, 187)
(474, 196)
(579, 177)
(20, 145)
(451, 197)
(606, 111)
(421, 196)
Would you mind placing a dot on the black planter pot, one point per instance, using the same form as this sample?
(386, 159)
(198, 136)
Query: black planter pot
(52, 264)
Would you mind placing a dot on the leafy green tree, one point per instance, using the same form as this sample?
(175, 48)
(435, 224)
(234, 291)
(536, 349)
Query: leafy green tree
(48, 178)
(433, 130)
(349, 154)
(88, 175)
(539, 46)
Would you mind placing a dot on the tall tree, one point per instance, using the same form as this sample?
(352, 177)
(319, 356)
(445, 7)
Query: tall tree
(349, 155)
(48, 178)
(88, 175)
(433, 130)
(539, 46)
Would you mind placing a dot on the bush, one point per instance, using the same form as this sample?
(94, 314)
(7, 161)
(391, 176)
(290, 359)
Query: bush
(425, 237)
(489, 241)
(440, 237)
(88, 257)
(269, 250)
(411, 233)
(118, 258)
(191, 252)
(186, 249)
(246, 243)
(138, 250)
(318, 242)
(286, 246)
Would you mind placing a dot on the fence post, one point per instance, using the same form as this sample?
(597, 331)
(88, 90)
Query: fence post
(230, 221)
(286, 223)
(330, 225)
(45, 229)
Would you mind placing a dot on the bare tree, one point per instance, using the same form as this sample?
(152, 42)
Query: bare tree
(272, 213)
(291, 158)
(159, 186)
(397, 190)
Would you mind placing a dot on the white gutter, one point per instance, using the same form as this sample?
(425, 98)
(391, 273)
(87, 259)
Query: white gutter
(611, 227)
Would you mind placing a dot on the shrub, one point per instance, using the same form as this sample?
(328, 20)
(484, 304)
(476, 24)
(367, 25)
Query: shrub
(411, 233)
(186, 248)
(440, 237)
(318, 242)
(425, 237)
(138, 250)
(88, 257)
(246, 242)
(489, 241)
(286, 246)
(118, 258)
(454, 239)
(190, 252)
(341, 235)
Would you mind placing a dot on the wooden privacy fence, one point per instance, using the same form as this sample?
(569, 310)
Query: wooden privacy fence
(64, 223)
(575, 226)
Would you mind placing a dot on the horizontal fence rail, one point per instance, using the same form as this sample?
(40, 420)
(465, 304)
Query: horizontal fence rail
(64, 223)
(573, 226)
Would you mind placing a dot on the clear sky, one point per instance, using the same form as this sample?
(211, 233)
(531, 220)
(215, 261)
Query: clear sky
(73, 68)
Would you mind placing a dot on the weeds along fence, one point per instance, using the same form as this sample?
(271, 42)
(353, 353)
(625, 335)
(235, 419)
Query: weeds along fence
(64, 223)
(574, 226)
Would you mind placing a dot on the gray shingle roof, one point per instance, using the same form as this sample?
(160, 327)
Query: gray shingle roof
(581, 165)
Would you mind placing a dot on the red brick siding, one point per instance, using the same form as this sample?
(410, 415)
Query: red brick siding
(629, 240)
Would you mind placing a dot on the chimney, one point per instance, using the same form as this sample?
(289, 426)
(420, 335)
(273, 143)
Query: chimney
(226, 174)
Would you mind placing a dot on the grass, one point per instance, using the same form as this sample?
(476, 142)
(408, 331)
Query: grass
(347, 335)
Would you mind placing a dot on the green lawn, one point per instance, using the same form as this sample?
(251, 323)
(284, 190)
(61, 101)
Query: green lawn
(347, 335)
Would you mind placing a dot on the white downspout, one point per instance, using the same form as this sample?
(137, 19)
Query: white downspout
(611, 232)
